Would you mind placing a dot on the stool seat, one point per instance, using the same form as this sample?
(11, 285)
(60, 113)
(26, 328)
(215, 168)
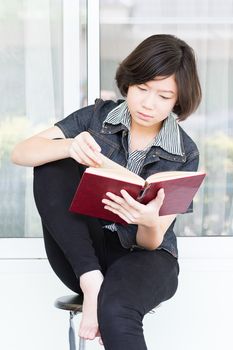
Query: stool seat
(70, 302)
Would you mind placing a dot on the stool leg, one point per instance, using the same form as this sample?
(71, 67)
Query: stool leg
(82, 344)
(72, 341)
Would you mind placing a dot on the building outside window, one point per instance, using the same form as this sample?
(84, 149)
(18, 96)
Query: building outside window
(45, 76)
(208, 27)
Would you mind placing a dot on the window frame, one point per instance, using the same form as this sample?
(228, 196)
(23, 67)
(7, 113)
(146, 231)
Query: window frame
(189, 248)
(33, 248)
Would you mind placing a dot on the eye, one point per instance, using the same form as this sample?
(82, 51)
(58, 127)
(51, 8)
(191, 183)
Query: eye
(165, 98)
(141, 88)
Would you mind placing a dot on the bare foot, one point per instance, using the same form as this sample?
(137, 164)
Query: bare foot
(100, 339)
(90, 283)
(89, 325)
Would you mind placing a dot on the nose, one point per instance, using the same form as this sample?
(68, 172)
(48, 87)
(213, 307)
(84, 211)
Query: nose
(149, 102)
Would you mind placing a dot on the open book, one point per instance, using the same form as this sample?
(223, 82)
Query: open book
(179, 186)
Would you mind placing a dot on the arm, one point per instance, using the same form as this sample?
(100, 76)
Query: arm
(151, 226)
(42, 148)
(150, 237)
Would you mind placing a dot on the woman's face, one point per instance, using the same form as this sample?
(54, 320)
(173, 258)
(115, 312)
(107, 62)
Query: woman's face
(150, 103)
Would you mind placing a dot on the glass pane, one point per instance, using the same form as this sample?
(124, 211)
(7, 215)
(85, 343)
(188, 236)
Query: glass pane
(31, 86)
(208, 27)
(83, 52)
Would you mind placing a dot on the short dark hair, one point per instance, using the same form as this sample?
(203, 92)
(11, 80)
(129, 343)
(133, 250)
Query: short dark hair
(163, 55)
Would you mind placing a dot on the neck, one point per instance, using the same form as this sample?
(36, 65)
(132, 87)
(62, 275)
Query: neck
(141, 137)
(144, 130)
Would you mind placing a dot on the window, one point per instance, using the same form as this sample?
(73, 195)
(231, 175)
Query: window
(208, 27)
(43, 67)
(42, 44)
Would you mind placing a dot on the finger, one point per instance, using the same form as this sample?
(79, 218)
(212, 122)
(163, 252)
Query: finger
(101, 341)
(120, 203)
(91, 142)
(159, 199)
(74, 154)
(130, 200)
(87, 152)
(85, 159)
(75, 157)
(115, 198)
(78, 156)
(122, 208)
(112, 204)
(160, 196)
(124, 216)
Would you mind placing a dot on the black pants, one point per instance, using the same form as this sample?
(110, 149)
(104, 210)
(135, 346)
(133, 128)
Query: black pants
(134, 282)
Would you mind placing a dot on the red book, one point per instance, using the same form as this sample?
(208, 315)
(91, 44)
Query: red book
(180, 187)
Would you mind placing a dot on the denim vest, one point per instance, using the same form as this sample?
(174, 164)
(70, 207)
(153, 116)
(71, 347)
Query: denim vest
(113, 141)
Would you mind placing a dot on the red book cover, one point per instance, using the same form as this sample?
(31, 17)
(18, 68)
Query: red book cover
(179, 193)
(92, 188)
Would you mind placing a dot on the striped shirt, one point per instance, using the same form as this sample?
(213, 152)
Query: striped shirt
(168, 138)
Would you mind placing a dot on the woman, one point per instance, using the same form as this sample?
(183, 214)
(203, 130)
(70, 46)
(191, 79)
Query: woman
(122, 271)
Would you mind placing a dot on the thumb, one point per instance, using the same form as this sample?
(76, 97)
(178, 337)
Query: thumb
(158, 200)
(160, 197)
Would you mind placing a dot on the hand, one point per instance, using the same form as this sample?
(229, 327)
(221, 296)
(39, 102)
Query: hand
(132, 211)
(85, 150)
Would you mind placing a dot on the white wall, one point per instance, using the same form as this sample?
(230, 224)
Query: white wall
(198, 317)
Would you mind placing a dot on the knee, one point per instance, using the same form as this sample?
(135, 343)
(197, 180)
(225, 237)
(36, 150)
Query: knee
(56, 173)
(55, 184)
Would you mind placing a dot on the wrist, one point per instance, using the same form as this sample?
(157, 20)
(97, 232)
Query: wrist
(150, 236)
(152, 225)
(67, 147)
(155, 230)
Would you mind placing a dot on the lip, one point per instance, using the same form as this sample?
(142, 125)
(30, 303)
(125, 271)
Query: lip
(144, 116)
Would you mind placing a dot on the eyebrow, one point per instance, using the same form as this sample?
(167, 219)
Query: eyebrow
(169, 91)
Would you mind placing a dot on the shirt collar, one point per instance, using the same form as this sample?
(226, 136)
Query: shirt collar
(168, 138)
(119, 115)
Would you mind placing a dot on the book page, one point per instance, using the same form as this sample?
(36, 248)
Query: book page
(110, 164)
(116, 174)
(109, 168)
(169, 175)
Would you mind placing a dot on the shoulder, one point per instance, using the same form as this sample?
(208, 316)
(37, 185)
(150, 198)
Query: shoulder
(99, 109)
(189, 146)
(191, 152)
(76, 122)
(103, 107)
(92, 115)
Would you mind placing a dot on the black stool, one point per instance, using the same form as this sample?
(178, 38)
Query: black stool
(72, 303)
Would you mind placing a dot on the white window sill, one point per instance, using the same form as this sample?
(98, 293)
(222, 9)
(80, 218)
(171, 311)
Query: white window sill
(189, 248)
